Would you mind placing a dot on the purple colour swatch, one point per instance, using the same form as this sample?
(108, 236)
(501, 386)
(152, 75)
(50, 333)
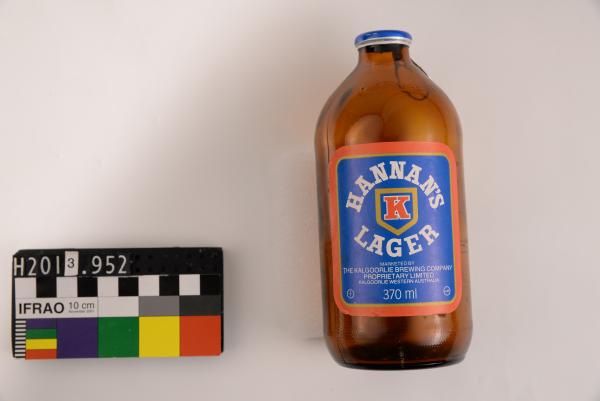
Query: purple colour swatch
(77, 338)
(41, 323)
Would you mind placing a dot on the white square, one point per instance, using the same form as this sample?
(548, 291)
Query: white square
(118, 306)
(108, 286)
(66, 287)
(148, 286)
(25, 287)
(189, 284)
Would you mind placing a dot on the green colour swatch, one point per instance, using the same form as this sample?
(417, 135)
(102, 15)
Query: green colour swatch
(118, 337)
(35, 334)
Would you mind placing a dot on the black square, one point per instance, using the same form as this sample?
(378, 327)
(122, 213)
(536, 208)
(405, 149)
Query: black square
(87, 287)
(169, 285)
(128, 286)
(203, 305)
(45, 287)
(210, 284)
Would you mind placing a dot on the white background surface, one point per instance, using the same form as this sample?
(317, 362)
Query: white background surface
(137, 123)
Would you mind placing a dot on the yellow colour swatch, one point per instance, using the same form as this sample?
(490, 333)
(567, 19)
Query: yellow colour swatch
(159, 336)
(46, 343)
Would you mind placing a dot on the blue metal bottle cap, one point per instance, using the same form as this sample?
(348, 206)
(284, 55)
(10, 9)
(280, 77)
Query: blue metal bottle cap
(383, 37)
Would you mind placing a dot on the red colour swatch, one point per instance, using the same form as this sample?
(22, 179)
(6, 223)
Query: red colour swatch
(200, 335)
(40, 354)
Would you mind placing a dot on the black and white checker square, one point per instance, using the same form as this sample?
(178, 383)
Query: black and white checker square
(114, 286)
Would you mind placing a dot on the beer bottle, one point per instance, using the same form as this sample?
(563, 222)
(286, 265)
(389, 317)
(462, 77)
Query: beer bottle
(392, 215)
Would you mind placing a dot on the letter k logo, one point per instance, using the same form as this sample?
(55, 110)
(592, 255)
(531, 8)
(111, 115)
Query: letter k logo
(395, 207)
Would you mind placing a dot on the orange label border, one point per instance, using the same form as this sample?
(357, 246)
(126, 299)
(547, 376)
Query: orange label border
(390, 149)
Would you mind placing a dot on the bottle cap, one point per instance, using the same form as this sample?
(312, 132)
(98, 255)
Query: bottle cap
(383, 37)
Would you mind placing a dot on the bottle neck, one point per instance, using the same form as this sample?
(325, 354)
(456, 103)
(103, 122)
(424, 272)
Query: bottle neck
(381, 55)
(392, 63)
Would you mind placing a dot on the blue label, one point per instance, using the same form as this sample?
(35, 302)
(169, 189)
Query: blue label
(396, 229)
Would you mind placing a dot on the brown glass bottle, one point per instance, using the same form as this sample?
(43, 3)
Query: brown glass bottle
(388, 99)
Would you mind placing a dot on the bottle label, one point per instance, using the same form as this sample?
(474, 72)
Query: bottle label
(395, 229)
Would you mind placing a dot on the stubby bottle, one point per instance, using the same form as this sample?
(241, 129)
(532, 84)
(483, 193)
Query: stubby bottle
(392, 215)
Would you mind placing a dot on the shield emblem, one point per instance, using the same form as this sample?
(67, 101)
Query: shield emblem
(397, 208)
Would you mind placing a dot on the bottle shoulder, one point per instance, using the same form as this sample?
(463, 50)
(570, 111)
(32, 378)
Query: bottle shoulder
(375, 104)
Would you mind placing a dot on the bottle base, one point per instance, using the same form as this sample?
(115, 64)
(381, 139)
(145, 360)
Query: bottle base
(400, 365)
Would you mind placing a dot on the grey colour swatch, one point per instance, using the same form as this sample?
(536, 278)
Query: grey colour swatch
(159, 306)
